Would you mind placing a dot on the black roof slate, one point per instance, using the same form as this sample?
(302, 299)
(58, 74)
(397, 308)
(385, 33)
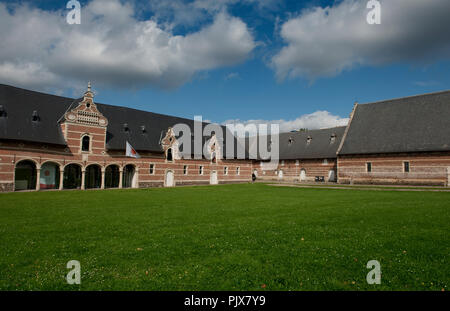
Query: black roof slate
(409, 124)
(19, 105)
(294, 145)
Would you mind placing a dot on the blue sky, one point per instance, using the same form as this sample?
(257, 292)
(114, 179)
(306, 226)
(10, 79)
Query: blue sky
(285, 60)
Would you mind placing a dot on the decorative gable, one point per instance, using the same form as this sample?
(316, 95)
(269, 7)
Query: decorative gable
(213, 149)
(84, 127)
(170, 145)
(86, 113)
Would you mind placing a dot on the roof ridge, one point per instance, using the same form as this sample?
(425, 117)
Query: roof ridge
(33, 91)
(405, 97)
(97, 103)
(322, 129)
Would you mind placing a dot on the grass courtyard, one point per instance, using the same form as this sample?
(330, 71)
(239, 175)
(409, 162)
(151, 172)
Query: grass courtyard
(230, 237)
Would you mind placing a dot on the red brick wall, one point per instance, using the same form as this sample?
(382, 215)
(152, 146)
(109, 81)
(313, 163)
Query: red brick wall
(292, 168)
(425, 169)
(13, 152)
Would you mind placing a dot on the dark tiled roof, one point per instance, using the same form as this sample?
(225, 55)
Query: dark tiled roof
(294, 145)
(19, 105)
(410, 124)
(321, 145)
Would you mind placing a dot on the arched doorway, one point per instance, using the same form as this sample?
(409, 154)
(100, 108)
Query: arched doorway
(213, 179)
(49, 177)
(331, 175)
(303, 175)
(72, 177)
(93, 178)
(112, 176)
(128, 176)
(170, 179)
(25, 176)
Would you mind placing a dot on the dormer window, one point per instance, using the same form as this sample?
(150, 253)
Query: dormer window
(332, 138)
(125, 127)
(308, 140)
(35, 116)
(143, 130)
(2, 112)
(290, 141)
(85, 143)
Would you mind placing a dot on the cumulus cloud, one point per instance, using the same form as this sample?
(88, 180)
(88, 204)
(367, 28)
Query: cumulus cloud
(326, 41)
(316, 120)
(111, 47)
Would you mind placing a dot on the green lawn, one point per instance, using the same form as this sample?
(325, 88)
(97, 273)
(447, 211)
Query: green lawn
(232, 237)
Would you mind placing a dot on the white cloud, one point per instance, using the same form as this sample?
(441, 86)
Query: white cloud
(111, 47)
(315, 120)
(326, 41)
(232, 75)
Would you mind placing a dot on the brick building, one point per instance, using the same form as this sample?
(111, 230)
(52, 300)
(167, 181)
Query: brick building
(305, 156)
(398, 141)
(53, 142)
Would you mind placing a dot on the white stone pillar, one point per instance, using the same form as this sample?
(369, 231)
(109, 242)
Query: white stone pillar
(120, 177)
(448, 176)
(83, 177)
(136, 179)
(103, 179)
(61, 178)
(38, 179)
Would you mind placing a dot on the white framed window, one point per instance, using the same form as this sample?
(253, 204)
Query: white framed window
(369, 167)
(152, 169)
(225, 170)
(200, 170)
(238, 170)
(86, 143)
(282, 163)
(406, 167)
(325, 162)
(185, 170)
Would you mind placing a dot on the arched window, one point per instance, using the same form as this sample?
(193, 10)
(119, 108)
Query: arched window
(85, 143)
(169, 154)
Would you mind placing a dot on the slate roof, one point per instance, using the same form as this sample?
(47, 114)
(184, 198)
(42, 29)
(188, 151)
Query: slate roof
(19, 105)
(410, 124)
(294, 145)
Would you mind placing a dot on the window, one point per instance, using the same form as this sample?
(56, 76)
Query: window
(325, 162)
(308, 140)
(238, 170)
(85, 143)
(152, 169)
(200, 170)
(290, 141)
(225, 170)
(185, 170)
(406, 167)
(169, 155)
(282, 163)
(332, 138)
(369, 167)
